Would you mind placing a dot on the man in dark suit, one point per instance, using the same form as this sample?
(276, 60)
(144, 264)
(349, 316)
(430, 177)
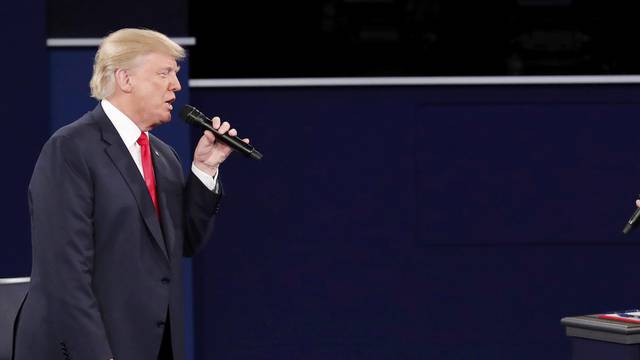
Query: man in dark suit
(112, 215)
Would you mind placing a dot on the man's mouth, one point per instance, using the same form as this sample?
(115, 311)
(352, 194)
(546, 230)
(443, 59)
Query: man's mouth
(170, 103)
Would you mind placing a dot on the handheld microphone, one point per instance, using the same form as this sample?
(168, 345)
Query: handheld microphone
(632, 223)
(194, 117)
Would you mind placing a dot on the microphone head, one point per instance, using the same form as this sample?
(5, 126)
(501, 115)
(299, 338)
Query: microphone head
(188, 113)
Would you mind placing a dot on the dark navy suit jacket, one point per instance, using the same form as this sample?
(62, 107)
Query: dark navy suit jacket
(106, 271)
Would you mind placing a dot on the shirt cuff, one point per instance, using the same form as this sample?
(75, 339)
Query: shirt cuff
(208, 180)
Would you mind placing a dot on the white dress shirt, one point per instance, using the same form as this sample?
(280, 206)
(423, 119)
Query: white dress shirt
(129, 132)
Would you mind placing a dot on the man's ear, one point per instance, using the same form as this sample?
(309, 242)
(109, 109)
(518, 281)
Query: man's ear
(123, 80)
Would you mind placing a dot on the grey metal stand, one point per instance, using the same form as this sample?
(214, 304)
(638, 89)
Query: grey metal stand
(596, 339)
(12, 293)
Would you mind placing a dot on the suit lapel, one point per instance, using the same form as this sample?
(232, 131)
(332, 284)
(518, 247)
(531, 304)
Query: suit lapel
(121, 158)
(161, 168)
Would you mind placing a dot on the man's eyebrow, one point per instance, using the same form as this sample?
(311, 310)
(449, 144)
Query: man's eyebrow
(170, 68)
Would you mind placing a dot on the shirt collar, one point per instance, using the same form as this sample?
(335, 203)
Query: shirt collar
(126, 128)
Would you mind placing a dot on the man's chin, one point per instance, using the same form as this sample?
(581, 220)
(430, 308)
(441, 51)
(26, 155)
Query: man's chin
(165, 118)
(161, 120)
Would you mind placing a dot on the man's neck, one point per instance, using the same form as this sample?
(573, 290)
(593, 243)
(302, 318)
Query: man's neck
(125, 108)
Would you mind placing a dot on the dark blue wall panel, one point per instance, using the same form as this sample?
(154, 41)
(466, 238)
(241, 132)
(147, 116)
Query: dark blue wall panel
(418, 223)
(528, 172)
(24, 111)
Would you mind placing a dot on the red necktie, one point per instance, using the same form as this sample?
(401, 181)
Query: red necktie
(147, 169)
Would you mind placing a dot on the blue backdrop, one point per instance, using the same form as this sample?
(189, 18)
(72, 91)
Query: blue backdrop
(24, 110)
(419, 223)
(383, 223)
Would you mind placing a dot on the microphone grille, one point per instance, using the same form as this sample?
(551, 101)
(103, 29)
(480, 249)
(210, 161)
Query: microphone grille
(189, 113)
(193, 116)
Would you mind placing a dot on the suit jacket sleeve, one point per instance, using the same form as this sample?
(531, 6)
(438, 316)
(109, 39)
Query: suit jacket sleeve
(201, 205)
(61, 199)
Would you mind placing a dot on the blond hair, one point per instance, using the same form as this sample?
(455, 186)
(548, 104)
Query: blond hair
(120, 50)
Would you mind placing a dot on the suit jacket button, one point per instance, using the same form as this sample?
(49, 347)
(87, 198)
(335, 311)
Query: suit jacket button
(160, 323)
(165, 281)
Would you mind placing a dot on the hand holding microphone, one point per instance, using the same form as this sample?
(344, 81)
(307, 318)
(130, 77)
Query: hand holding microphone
(194, 117)
(633, 220)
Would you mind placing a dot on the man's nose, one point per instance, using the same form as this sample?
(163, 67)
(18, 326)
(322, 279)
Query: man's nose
(175, 84)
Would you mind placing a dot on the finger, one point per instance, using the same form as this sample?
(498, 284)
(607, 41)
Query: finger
(209, 136)
(215, 122)
(233, 132)
(246, 140)
(638, 203)
(224, 127)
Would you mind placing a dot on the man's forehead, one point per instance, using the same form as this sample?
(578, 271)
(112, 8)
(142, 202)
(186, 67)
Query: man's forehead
(161, 60)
